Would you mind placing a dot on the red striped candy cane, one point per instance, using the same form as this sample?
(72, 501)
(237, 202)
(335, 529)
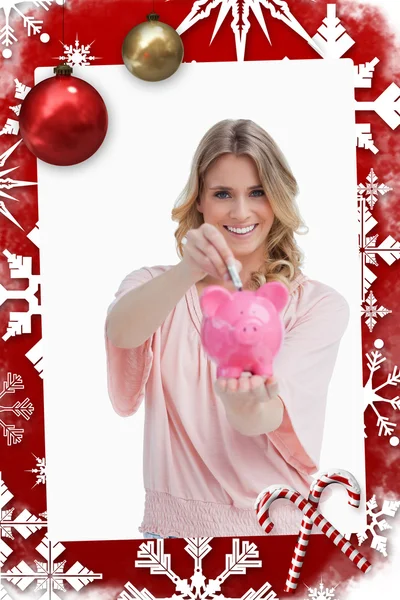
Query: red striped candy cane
(317, 486)
(272, 493)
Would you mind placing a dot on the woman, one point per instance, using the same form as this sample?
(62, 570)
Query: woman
(211, 446)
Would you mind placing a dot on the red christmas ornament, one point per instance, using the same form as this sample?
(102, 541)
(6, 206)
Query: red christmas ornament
(63, 120)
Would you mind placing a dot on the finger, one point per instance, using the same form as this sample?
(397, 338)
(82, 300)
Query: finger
(209, 250)
(217, 239)
(256, 381)
(244, 384)
(272, 389)
(232, 384)
(202, 261)
(221, 384)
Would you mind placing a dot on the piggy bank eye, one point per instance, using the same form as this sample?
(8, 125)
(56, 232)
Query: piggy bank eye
(241, 312)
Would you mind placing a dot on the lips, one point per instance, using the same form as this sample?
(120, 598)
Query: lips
(241, 231)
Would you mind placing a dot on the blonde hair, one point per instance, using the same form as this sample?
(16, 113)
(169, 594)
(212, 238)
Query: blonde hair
(283, 257)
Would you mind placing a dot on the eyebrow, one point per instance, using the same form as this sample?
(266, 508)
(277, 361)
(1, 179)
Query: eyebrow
(224, 187)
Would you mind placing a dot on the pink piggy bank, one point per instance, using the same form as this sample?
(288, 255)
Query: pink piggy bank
(243, 331)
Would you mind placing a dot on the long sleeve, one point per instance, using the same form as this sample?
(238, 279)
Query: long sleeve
(303, 369)
(128, 368)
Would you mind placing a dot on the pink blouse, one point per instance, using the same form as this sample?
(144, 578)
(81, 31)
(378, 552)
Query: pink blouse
(201, 476)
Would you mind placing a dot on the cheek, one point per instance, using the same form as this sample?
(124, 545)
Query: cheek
(268, 215)
(213, 211)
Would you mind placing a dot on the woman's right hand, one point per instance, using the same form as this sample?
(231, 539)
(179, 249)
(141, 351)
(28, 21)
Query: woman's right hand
(206, 252)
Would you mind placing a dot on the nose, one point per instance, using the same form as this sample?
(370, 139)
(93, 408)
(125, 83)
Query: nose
(248, 331)
(240, 209)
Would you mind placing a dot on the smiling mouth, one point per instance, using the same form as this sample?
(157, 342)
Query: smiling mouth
(241, 231)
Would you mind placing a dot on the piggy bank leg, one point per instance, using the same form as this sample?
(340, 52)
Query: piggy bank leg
(229, 372)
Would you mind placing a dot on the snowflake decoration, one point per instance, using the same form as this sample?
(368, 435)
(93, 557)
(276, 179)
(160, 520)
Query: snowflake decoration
(330, 41)
(331, 37)
(371, 189)
(335, 42)
(12, 125)
(19, 409)
(35, 356)
(78, 55)
(31, 24)
(21, 268)
(244, 555)
(40, 471)
(321, 593)
(372, 394)
(240, 24)
(372, 312)
(364, 137)
(389, 249)
(25, 523)
(50, 576)
(8, 183)
(389, 508)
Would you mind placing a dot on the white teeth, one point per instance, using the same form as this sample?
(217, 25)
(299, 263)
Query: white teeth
(243, 230)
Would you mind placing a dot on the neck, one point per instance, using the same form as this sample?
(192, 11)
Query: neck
(250, 264)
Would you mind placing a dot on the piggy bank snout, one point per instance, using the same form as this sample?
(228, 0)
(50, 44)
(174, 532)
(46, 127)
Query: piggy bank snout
(248, 331)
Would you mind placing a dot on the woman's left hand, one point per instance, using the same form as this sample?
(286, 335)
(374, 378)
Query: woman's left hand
(252, 404)
(255, 386)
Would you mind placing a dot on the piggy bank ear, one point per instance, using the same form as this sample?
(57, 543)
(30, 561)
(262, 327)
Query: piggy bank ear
(212, 297)
(276, 292)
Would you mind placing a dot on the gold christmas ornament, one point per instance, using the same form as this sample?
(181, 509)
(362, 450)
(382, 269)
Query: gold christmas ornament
(152, 50)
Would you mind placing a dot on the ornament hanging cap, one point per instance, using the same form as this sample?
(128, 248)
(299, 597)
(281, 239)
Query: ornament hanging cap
(63, 69)
(153, 16)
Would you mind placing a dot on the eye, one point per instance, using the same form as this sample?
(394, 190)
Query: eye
(241, 312)
(218, 196)
(262, 192)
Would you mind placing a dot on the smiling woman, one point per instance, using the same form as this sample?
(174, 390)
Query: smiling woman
(212, 445)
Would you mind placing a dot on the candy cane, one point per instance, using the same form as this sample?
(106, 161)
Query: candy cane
(318, 485)
(272, 493)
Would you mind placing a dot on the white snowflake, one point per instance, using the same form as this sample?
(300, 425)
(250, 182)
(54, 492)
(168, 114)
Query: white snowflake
(35, 356)
(364, 73)
(389, 249)
(8, 183)
(321, 592)
(389, 508)
(21, 268)
(49, 576)
(387, 106)
(330, 41)
(40, 470)
(331, 37)
(372, 188)
(372, 312)
(334, 41)
(12, 125)
(23, 409)
(364, 137)
(244, 555)
(372, 394)
(32, 25)
(77, 55)
(240, 23)
(25, 524)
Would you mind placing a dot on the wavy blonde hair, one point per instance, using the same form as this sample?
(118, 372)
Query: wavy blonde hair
(283, 257)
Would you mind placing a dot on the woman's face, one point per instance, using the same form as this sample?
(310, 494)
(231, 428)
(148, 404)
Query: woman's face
(234, 201)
